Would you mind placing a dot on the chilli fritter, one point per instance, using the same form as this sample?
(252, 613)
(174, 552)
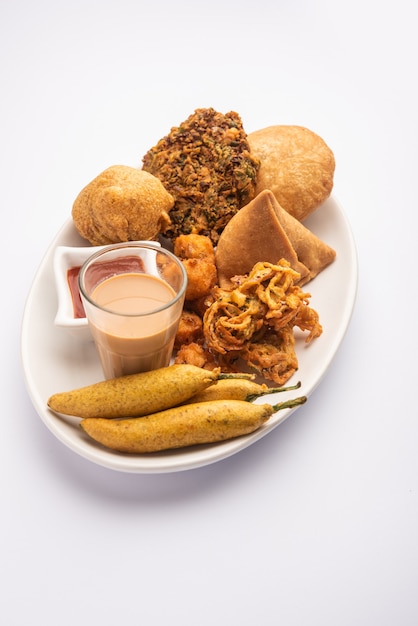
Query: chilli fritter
(207, 166)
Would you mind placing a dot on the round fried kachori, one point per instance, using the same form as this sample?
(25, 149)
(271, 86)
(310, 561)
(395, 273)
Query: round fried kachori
(296, 165)
(122, 204)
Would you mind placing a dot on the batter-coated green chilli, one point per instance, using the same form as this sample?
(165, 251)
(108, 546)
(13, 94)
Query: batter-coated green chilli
(136, 394)
(237, 389)
(182, 426)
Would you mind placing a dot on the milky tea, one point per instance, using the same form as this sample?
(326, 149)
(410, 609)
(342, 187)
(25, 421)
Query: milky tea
(133, 295)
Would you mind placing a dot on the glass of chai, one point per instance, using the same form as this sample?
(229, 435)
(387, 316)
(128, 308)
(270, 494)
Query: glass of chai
(133, 295)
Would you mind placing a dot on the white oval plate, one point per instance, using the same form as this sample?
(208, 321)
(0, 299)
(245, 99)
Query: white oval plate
(53, 361)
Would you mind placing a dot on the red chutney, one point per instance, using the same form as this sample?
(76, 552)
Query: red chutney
(97, 272)
(72, 278)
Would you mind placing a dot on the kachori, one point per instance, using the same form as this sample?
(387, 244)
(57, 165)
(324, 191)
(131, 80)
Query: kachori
(296, 165)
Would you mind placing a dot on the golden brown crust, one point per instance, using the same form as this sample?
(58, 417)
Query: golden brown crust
(197, 254)
(264, 231)
(197, 354)
(190, 329)
(122, 204)
(314, 253)
(296, 165)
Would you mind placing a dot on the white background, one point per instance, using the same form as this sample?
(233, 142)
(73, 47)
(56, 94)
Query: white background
(316, 524)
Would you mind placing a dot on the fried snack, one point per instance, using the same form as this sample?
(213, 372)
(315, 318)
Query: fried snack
(200, 305)
(264, 231)
(296, 165)
(273, 355)
(268, 296)
(190, 329)
(254, 323)
(182, 426)
(135, 394)
(206, 165)
(196, 353)
(197, 254)
(122, 204)
(237, 389)
(255, 320)
(194, 247)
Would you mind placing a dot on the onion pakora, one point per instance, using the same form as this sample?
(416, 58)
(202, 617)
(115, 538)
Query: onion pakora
(207, 166)
(254, 323)
(267, 297)
(273, 355)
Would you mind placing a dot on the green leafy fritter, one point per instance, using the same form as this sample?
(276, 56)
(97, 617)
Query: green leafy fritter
(206, 165)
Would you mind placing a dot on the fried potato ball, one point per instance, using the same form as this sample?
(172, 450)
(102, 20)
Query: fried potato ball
(122, 204)
(194, 247)
(190, 329)
(201, 275)
(197, 254)
(195, 353)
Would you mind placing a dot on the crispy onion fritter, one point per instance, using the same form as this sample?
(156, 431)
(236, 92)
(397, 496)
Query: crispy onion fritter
(254, 323)
(268, 297)
(273, 356)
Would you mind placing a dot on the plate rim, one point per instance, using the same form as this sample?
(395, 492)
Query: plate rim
(173, 461)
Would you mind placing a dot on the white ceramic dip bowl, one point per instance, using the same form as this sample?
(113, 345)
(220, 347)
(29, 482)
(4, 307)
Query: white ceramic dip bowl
(66, 258)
